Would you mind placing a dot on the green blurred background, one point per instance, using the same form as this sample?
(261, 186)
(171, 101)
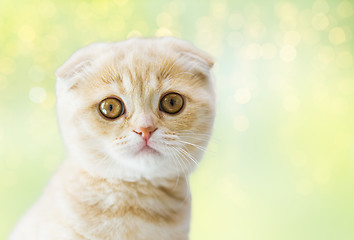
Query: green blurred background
(280, 165)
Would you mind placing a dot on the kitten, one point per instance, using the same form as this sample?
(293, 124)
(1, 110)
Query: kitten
(135, 117)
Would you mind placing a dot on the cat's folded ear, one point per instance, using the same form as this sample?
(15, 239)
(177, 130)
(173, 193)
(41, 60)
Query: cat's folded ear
(195, 61)
(186, 49)
(192, 52)
(79, 64)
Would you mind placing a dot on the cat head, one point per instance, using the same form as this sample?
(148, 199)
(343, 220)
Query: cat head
(141, 108)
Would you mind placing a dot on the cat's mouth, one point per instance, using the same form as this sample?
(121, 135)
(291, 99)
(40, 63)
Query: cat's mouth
(146, 149)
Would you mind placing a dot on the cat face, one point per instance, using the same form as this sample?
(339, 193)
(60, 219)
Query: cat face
(142, 108)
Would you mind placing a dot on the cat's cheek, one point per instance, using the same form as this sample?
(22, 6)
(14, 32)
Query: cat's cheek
(106, 127)
(183, 121)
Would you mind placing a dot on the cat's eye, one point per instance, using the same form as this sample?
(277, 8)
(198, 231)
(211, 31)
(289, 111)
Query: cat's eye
(111, 108)
(171, 103)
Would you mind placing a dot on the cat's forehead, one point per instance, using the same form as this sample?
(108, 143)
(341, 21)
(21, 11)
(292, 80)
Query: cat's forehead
(139, 73)
(135, 66)
(148, 70)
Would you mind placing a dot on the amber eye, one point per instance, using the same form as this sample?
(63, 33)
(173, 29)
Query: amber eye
(111, 108)
(171, 103)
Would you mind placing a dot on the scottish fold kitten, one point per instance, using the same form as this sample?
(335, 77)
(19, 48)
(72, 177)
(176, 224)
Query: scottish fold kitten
(135, 117)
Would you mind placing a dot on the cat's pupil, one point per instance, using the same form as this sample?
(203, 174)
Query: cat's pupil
(110, 107)
(172, 102)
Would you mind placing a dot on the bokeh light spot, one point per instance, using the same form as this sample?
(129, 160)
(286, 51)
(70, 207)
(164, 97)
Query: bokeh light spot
(286, 10)
(163, 32)
(120, 2)
(120, 24)
(292, 38)
(241, 123)
(345, 9)
(204, 23)
(288, 53)
(176, 8)
(47, 9)
(37, 94)
(219, 9)
(141, 27)
(320, 22)
(84, 11)
(26, 33)
(320, 6)
(337, 36)
(242, 95)
(255, 29)
(164, 20)
(204, 37)
(134, 33)
(251, 51)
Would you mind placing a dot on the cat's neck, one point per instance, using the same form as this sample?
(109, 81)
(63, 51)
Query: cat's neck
(75, 174)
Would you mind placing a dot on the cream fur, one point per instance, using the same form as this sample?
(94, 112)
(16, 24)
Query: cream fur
(106, 188)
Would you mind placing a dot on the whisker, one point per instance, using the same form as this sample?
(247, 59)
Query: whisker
(190, 131)
(185, 175)
(194, 134)
(196, 138)
(189, 155)
(174, 158)
(194, 145)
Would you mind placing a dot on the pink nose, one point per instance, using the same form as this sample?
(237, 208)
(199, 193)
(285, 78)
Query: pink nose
(145, 132)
